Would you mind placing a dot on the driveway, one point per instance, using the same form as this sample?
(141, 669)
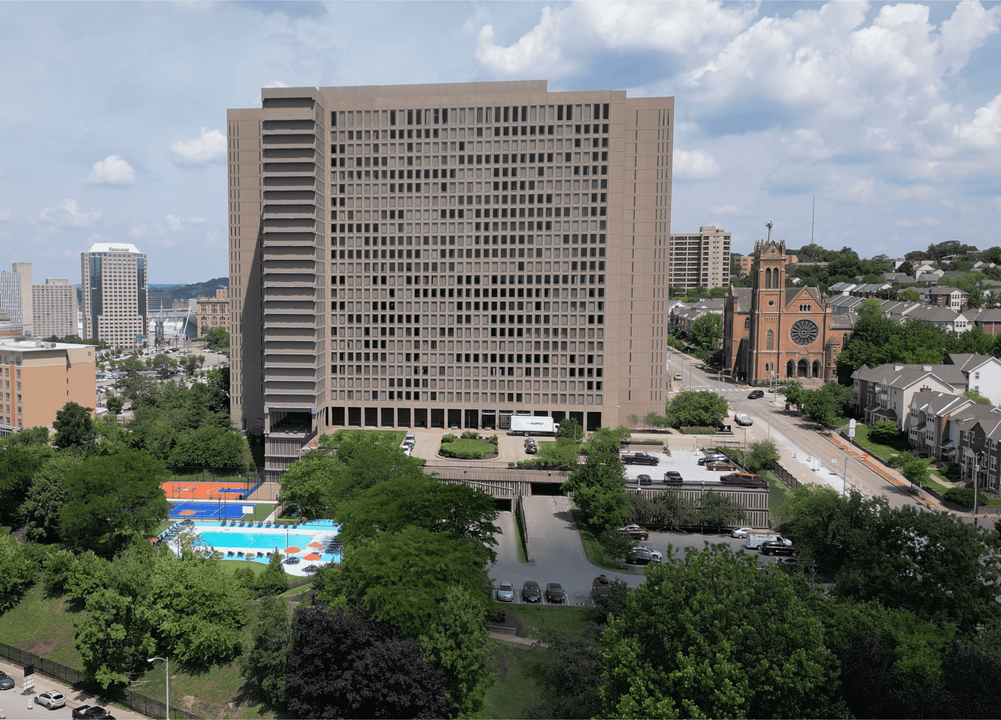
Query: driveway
(15, 705)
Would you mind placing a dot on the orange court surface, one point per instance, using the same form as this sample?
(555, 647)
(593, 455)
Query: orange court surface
(231, 490)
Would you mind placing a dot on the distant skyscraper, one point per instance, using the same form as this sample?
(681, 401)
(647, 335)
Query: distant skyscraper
(55, 308)
(15, 295)
(114, 278)
(700, 259)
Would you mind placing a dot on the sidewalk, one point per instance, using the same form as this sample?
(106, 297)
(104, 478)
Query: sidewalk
(15, 705)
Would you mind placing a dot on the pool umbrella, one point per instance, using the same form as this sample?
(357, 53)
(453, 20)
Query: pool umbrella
(311, 556)
(292, 549)
(315, 544)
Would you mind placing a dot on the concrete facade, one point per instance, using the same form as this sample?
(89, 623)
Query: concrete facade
(436, 255)
(55, 308)
(213, 311)
(39, 378)
(16, 298)
(700, 259)
(115, 284)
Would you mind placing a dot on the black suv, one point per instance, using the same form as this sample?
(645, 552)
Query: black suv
(776, 547)
(755, 394)
(640, 459)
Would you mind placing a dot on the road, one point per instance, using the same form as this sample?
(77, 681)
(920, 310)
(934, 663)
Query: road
(811, 455)
(15, 705)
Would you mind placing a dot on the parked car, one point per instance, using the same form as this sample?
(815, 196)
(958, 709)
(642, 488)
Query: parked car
(634, 531)
(600, 585)
(51, 700)
(673, 477)
(644, 479)
(755, 394)
(640, 458)
(530, 592)
(505, 592)
(555, 594)
(743, 419)
(744, 479)
(740, 532)
(643, 556)
(720, 465)
(776, 547)
(6, 681)
(92, 712)
(711, 458)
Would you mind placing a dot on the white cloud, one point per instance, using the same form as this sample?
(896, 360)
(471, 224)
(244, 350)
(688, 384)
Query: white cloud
(917, 192)
(208, 147)
(918, 222)
(177, 224)
(538, 47)
(113, 170)
(734, 211)
(967, 29)
(68, 214)
(694, 165)
(985, 129)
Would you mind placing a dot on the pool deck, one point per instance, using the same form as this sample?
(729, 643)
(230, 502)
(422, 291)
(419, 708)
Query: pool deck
(321, 532)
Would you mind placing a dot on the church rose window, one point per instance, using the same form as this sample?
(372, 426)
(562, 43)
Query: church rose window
(804, 332)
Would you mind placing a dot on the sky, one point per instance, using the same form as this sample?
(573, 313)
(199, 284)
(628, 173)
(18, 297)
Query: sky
(885, 117)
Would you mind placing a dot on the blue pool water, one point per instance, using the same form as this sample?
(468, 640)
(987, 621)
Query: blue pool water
(269, 541)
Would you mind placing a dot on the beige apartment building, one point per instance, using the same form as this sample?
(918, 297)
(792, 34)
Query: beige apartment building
(16, 298)
(39, 378)
(114, 280)
(700, 260)
(213, 312)
(55, 308)
(446, 256)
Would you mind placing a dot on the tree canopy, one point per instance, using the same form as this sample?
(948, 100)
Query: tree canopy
(707, 330)
(74, 427)
(696, 409)
(598, 487)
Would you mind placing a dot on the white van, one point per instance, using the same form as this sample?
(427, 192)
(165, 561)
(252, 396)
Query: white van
(755, 538)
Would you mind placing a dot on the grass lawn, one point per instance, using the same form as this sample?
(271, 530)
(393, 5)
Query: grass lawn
(522, 553)
(393, 438)
(778, 491)
(232, 566)
(43, 626)
(596, 554)
(878, 449)
(261, 512)
(519, 668)
(538, 617)
(470, 448)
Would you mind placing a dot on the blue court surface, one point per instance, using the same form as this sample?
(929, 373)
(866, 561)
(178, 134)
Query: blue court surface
(205, 511)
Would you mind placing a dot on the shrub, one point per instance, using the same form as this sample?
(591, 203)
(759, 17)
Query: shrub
(447, 438)
(470, 435)
(492, 440)
(460, 453)
(963, 496)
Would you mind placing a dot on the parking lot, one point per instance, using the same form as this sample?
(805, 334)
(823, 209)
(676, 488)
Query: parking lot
(682, 461)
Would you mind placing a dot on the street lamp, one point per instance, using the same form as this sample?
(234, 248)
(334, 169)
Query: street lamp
(166, 665)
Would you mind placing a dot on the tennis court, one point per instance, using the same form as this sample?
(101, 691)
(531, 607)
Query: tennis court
(231, 510)
(231, 490)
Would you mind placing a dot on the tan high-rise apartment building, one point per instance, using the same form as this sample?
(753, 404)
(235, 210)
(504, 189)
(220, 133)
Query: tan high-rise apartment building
(700, 260)
(446, 256)
(114, 279)
(55, 308)
(38, 378)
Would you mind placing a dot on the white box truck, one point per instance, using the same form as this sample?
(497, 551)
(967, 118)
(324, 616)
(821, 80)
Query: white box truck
(755, 538)
(529, 425)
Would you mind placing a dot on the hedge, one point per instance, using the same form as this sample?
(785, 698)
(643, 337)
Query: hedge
(964, 497)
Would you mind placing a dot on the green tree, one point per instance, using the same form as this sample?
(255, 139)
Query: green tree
(652, 419)
(793, 391)
(456, 510)
(634, 420)
(573, 678)
(598, 488)
(17, 572)
(828, 403)
(718, 511)
(711, 636)
(910, 295)
(674, 510)
(265, 663)
(707, 330)
(571, 429)
(915, 469)
(274, 580)
(164, 366)
(310, 484)
(697, 409)
(217, 339)
(110, 499)
(113, 403)
(18, 464)
(114, 637)
(885, 431)
(761, 456)
(198, 611)
(458, 643)
(976, 397)
(403, 578)
(74, 427)
(40, 510)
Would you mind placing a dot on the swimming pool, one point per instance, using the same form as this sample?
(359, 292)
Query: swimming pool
(267, 541)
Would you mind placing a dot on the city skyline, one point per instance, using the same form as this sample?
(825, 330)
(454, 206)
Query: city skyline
(889, 114)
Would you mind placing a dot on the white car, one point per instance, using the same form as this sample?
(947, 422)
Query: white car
(740, 532)
(505, 592)
(51, 700)
(655, 555)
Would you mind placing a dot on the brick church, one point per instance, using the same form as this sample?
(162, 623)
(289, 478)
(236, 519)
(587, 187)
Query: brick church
(773, 332)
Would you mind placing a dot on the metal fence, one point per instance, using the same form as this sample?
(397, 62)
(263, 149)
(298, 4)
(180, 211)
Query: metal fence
(57, 671)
